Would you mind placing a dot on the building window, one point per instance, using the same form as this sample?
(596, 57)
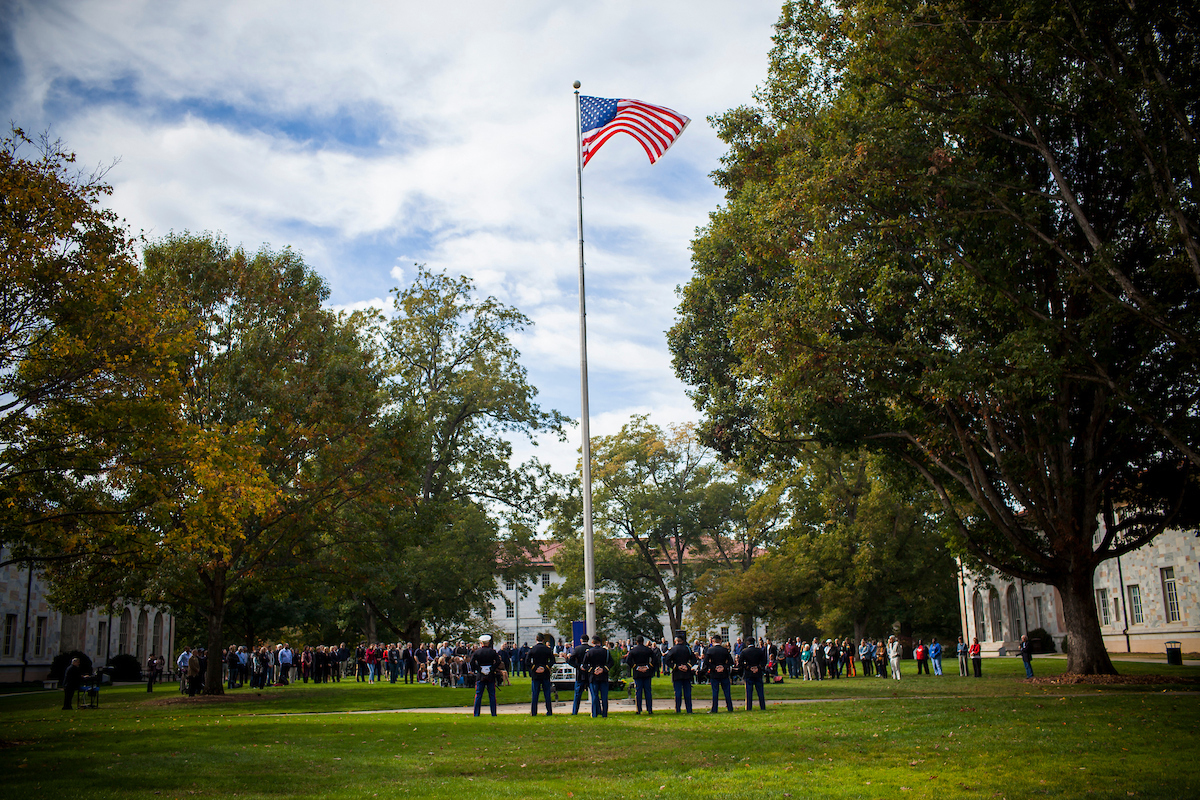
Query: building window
(123, 639)
(980, 621)
(39, 637)
(1170, 594)
(1102, 606)
(143, 624)
(545, 580)
(10, 634)
(1135, 605)
(102, 638)
(509, 586)
(156, 644)
(1014, 613)
(509, 637)
(997, 616)
(546, 620)
(725, 634)
(510, 610)
(1039, 612)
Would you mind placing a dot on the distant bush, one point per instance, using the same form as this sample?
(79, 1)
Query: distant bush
(58, 667)
(125, 668)
(1045, 642)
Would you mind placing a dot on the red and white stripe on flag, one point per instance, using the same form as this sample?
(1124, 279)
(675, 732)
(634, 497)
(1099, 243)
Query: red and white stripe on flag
(655, 127)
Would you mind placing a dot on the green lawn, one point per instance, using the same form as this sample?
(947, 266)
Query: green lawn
(920, 737)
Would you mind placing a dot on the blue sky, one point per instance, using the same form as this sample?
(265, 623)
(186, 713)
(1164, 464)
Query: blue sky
(370, 136)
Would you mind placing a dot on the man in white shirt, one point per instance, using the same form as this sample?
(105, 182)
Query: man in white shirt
(181, 664)
(285, 663)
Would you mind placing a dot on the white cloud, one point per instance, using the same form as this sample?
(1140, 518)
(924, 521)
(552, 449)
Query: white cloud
(371, 135)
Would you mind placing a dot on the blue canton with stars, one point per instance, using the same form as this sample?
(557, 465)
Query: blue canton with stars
(595, 112)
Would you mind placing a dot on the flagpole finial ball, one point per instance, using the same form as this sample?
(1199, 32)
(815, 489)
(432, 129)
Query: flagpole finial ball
(577, 84)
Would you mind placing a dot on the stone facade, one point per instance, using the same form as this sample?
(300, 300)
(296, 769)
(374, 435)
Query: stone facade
(1144, 599)
(34, 632)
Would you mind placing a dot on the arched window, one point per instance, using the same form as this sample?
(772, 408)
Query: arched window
(980, 622)
(1015, 625)
(997, 615)
(123, 638)
(156, 642)
(143, 624)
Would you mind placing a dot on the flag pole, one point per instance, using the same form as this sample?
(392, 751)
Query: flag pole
(589, 557)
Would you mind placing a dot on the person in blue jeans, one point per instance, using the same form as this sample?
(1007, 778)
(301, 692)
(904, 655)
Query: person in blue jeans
(1027, 656)
(935, 656)
(581, 681)
(718, 666)
(681, 662)
(596, 664)
(485, 663)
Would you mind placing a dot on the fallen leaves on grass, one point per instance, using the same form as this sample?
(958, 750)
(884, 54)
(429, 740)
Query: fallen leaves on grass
(1108, 680)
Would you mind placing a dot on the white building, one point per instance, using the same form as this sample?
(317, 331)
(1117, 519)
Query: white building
(1143, 599)
(35, 632)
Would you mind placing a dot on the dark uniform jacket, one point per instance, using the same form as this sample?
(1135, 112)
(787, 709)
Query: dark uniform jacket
(596, 664)
(576, 661)
(753, 663)
(642, 661)
(540, 658)
(489, 658)
(681, 661)
(718, 663)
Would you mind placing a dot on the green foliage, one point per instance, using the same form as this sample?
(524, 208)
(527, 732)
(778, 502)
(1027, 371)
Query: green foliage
(456, 387)
(964, 237)
(125, 667)
(1043, 636)
(58, 666)
(862, 550)
(89, 363)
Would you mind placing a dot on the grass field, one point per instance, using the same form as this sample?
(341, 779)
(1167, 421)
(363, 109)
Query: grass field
(920, 737)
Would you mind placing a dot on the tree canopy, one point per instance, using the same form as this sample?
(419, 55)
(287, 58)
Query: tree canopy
(963, 234)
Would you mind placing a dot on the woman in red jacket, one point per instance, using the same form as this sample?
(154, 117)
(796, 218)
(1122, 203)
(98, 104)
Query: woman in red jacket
(976, 657)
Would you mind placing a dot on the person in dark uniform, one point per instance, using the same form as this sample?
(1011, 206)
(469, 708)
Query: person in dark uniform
(752, 662)
(643, 664)
(581, 678)
(682, 662)
(485, 663)
(72, 680)
(718, 665)
(540, 665)
(596, 665)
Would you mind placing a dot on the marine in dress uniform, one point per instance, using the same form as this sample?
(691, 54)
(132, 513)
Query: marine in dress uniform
(682, 663)
(540, 665)
(718, 666)
(753, 665)
(643, 664)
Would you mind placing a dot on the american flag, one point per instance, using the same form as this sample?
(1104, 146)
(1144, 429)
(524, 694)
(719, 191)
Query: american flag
(656, 128)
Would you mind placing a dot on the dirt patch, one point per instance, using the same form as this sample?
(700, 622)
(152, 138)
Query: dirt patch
(1110, 680)
(205, 699)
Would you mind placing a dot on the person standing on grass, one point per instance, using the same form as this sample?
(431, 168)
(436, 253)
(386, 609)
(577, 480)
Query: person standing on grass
(540, 666)
(72, 680)
(881, 660)
(962, 658)
(581, 678)
(718, 666)
(977, 657)
(597, 664)
(935, 656)
(752, 662)
(865, 658)
(682, 662)
(921, 656)
(643, 663)
(485, 664)
(1027, 655)
(894, 651)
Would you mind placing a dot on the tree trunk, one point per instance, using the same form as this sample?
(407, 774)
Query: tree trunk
(216, 624)
(1086, 653)
(369, 626)
(860, 630)
(747, 627)
(412, 632)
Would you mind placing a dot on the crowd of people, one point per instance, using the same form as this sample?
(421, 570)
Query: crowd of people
(456, 664)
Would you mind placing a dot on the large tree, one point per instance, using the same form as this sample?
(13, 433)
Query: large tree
(964, 234)
(278, 428)
(455, 380)
(89, 356)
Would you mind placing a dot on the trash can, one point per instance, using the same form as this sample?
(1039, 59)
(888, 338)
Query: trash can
(1175, 653)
